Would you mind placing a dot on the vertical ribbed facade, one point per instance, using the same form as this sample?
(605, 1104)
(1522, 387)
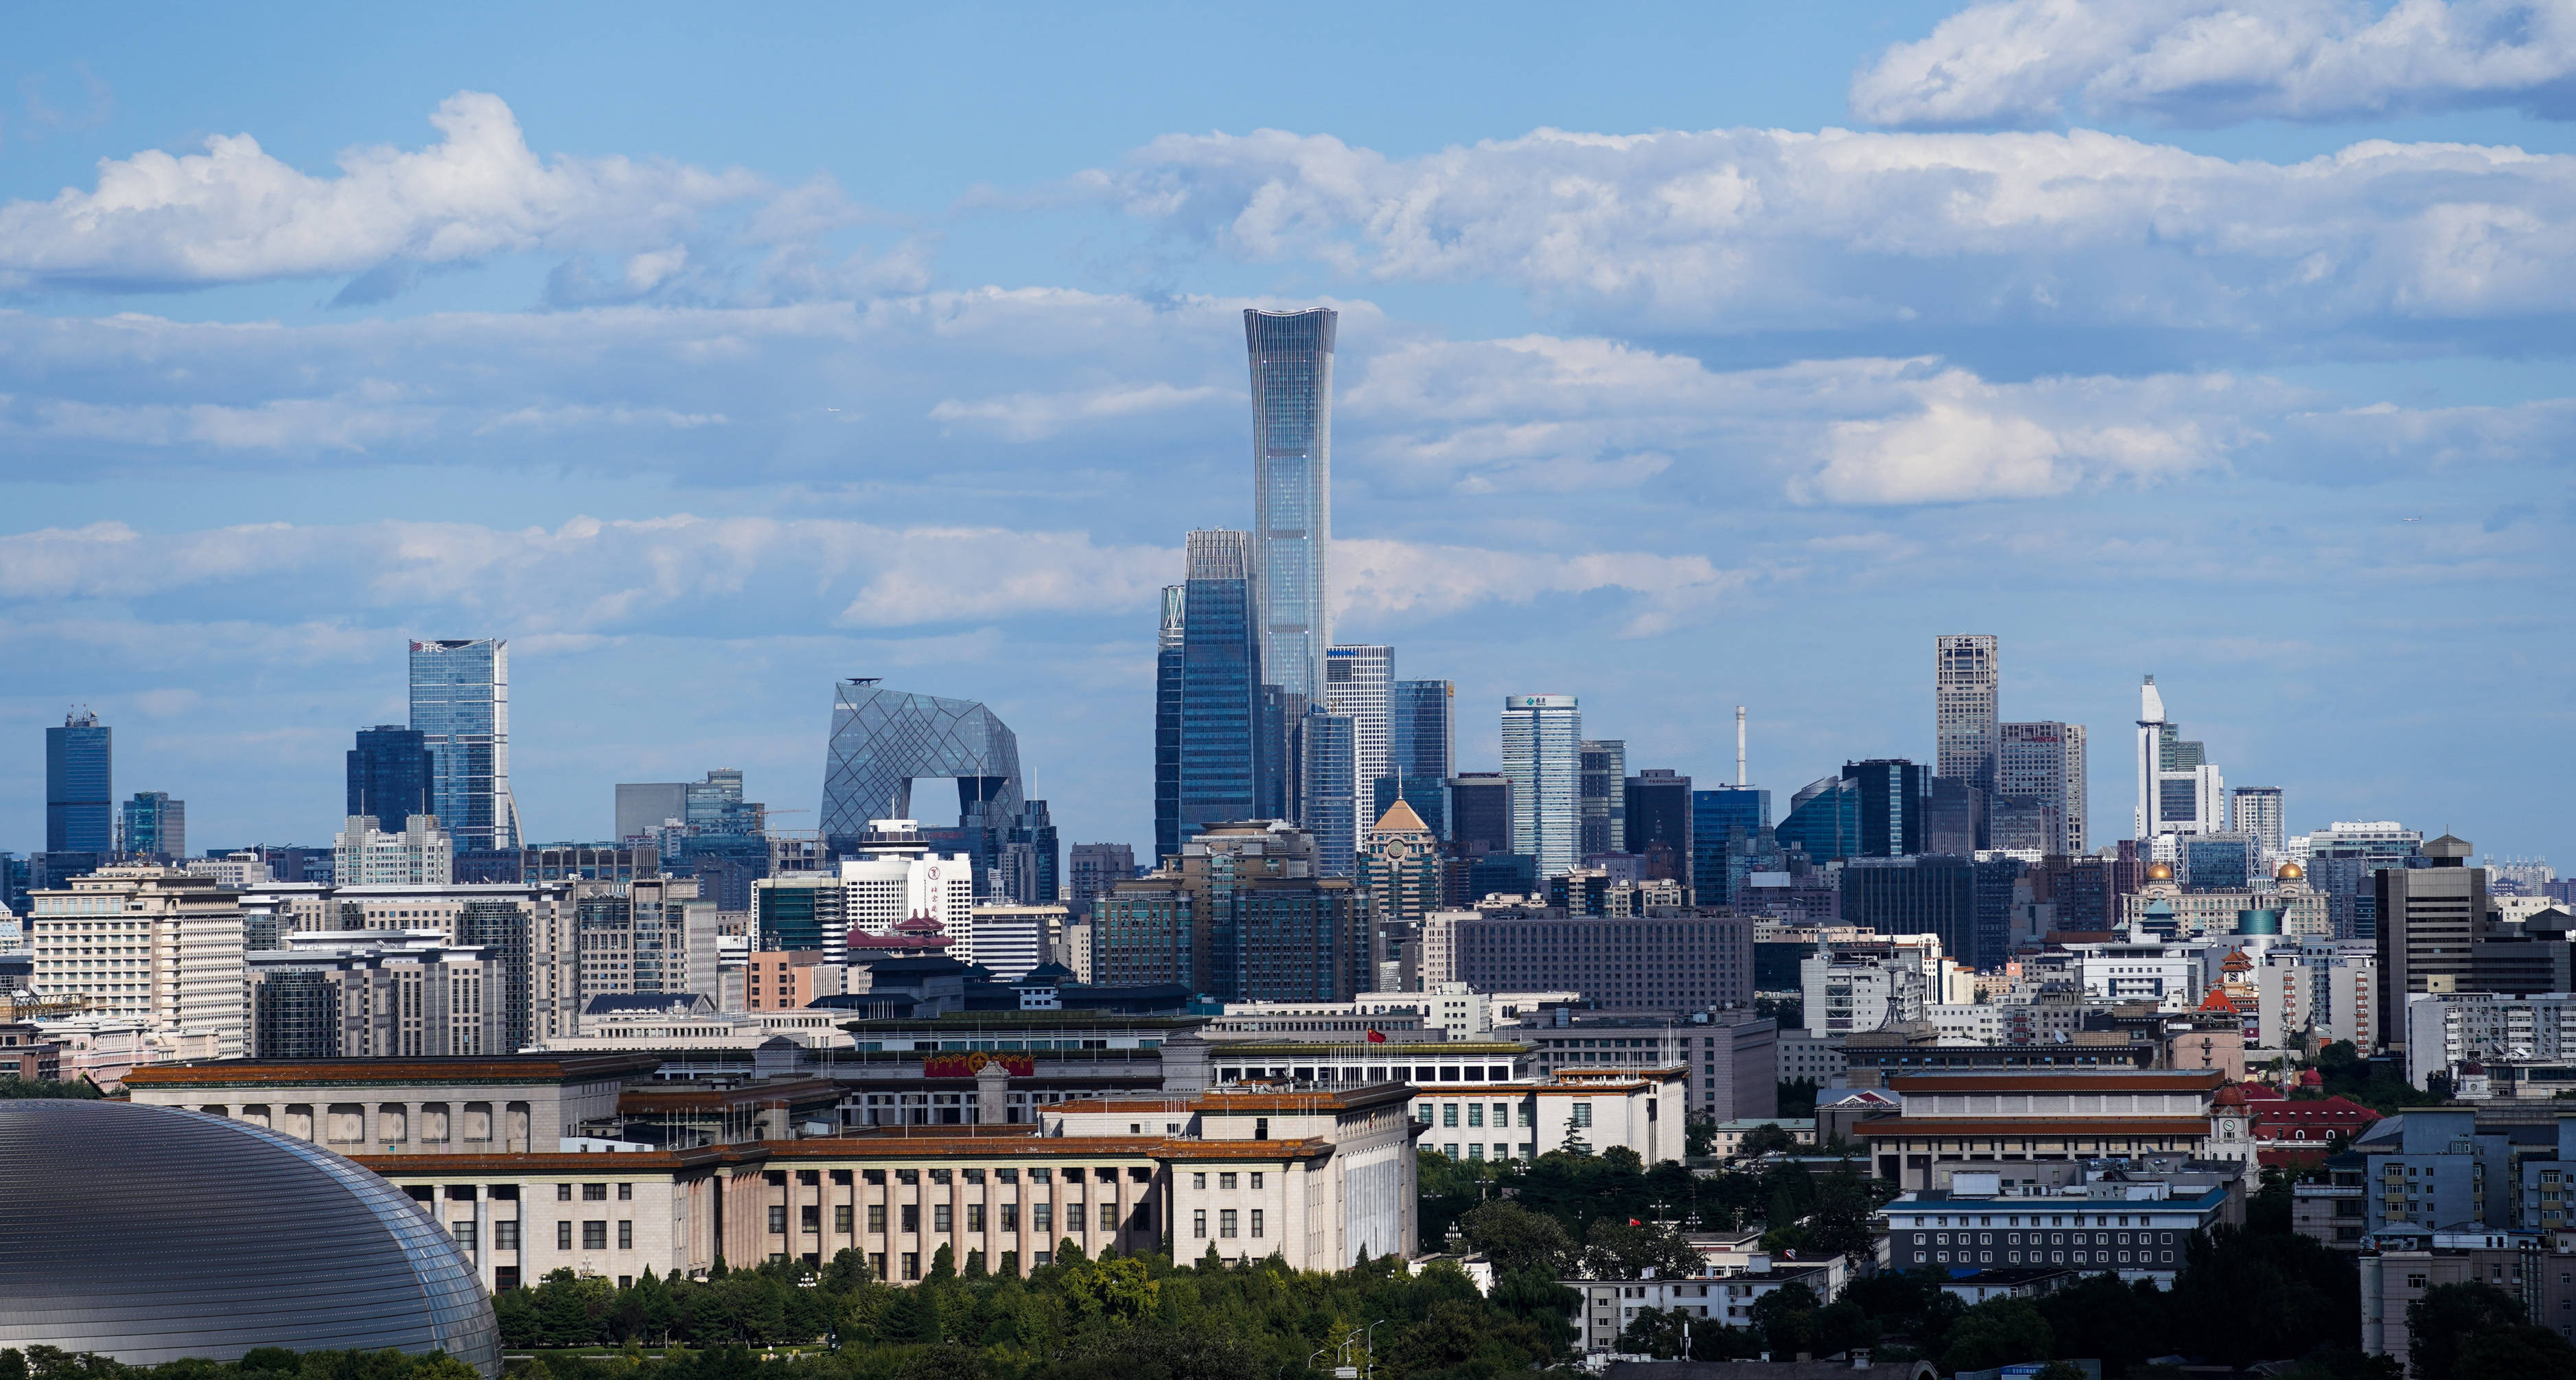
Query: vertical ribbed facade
(1220, 681)
(1542, 755)
(1965, 678)
(1167, 724)
(460, 704)
(1292, 450)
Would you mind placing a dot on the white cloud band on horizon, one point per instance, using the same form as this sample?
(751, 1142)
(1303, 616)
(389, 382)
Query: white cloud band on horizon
(2032, 63)
(1741, 230)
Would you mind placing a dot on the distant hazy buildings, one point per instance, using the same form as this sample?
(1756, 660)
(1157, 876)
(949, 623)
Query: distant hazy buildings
(375, 994)
(155, 826)
(1091, 868)
(80, 786)
(1542, 755)
(1328, 800)
(2179, 790)
(1240, 914)
(1359, 682)
(1292, 449)
(1422, 731)
(2255, 811)
(460, 704)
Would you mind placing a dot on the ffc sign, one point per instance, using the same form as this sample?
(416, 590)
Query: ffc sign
(968, 1065)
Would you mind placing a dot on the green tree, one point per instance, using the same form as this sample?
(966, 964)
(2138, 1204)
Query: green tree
(1514, 1239)
(2440, 1325)
(1622, 1250)
(1998, 1332)
(1786, 1319)
(1113, 1291)
(943, 1263)
(1764, 1139)
(2520, 1352)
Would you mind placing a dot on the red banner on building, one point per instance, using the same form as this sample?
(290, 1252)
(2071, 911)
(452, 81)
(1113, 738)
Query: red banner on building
(969, 1065)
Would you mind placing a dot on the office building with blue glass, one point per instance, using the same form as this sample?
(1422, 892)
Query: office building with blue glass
(389, 775)
(1291, 356)
(460, 705)
(80, 786)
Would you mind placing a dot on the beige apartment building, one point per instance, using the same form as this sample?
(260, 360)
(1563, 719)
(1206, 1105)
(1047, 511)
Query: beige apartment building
(156, 945)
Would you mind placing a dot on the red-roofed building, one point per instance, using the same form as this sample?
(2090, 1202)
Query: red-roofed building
(2297, 1130)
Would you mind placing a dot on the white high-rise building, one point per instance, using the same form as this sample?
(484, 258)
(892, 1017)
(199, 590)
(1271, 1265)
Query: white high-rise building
(2179, 790)
(1359, 682)
(153, 944)
(2151, 720)
(365, 855)
(896, 877)
(1965, 676)
(1543, 757)
(2044, 762)
(2256, 811)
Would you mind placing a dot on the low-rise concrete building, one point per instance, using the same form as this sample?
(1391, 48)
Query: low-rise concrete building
(2131, 1217)
(2037, 1115)
(520, 1104)
(1610, 1305)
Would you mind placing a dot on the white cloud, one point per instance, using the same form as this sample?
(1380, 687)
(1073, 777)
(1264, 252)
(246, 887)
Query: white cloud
(2031, 63)
(1746, 230)
(234, 213)
(1036, 416)
(1389, 578)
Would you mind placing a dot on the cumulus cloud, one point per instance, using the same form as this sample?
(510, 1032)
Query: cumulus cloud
(2032, 63)
(235, 213)
(1748, 230)
(593, 578)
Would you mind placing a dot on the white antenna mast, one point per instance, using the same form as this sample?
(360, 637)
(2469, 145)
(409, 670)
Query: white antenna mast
(1739, 745)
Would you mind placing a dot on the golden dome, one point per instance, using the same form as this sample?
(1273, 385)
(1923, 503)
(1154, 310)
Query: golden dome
(2289, 872)
(2160, 872)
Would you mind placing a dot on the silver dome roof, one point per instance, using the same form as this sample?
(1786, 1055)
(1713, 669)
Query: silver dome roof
(147, 1234)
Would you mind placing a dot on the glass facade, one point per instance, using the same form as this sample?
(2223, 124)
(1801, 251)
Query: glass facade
(1167, 724)
(1328, 802)
(1604, 796)
(389, 775)
(1218, 749)
(1893, 796)
(1292, 446)
(1542, 754)
(2040, 775)
(1824, 819)
(1359, 683)
(460, 705)
(80, 790)
(156, 826)
(1421, 729)
(1718, 816)
(883, 740)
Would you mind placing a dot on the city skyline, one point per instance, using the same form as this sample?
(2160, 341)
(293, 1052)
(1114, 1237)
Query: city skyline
(714, 407)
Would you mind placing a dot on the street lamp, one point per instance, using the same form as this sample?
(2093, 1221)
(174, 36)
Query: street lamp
(1372, 1347)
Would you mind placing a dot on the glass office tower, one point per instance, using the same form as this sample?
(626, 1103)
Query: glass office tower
(1421, 730)
(80, 791)
(1167, 725)
(1219, 752)
(1292, 490)
(156, 826)
(460, 704)
(389, 775)
(1542, 754)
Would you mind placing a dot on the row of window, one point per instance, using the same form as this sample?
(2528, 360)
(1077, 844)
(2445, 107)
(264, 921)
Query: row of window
(2014, 1238)
(1226, 1223)
(943, 1217)
(2054, 1257)
(505, 1235)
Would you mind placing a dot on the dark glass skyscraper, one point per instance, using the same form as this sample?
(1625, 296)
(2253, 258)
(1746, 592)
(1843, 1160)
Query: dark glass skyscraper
(1894, 794)
(1422, 729)
(389, 775)
(1292, 453)
(1219, 752)
(1602, 796)
(1659, 822)
(1728, 813)
(80, 790)
(460, 704)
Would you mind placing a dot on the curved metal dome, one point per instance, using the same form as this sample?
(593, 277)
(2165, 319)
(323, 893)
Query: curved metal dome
(148, 1234)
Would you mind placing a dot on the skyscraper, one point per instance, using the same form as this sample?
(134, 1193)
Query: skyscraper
(2256, 811)
(1327, 788)
(1480, 813)
(1893, 794)
(1168, 646)
(1422, 733)
(1218, 751)
(1730, 816)
(1659, 823)
(156, 826)
(2151, 721)
(1359, 683)
(2180, 791)
(1542, 754)
(2043, 764)
(390, 773)
(1292, 489)
(1602, 790)
(460, 704)
(80, 789)
(1965, 676)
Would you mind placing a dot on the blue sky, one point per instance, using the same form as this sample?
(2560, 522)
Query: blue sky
(1692, 356)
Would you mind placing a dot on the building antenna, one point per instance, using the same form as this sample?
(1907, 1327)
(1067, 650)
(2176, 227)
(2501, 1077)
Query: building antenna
(1739, 747)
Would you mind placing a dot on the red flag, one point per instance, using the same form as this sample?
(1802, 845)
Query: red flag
(1377, 1037)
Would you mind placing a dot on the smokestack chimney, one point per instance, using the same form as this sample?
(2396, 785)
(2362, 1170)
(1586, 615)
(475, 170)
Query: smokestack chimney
(1739, 745)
